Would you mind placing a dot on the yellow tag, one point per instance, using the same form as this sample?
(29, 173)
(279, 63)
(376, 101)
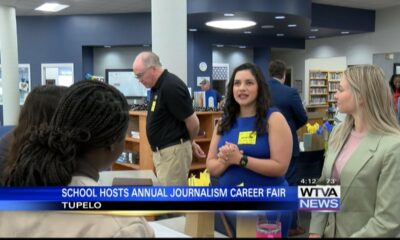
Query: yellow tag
(248, 137)
(153, 106)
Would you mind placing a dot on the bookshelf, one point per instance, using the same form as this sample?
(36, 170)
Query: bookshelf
(138, 145)
(322, 88)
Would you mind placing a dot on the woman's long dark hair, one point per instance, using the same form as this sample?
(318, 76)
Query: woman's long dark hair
(391, 82)
(38, 108)
(263, 101)
(90, 115)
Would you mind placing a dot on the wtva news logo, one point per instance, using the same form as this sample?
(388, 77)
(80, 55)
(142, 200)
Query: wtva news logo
(319, 198)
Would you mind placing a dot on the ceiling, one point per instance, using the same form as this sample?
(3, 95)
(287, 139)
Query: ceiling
(25, 7)
(302, 30)
(364, 4)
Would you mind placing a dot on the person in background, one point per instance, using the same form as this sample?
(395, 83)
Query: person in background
(288, 101)
(205, 86)
(171, 124)
(85, 135)
(364, 158)
(38, 108)
(395, 87)
(252, 143)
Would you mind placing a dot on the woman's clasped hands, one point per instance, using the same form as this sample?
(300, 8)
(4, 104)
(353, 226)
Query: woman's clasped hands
(229, 154)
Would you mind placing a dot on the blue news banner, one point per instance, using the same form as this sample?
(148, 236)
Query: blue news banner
(307, 198)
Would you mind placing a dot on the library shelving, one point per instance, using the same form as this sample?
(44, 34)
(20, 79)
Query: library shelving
(136, 142)
(322, 88)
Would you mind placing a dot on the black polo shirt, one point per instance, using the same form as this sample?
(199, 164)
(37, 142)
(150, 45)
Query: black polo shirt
(170, 104)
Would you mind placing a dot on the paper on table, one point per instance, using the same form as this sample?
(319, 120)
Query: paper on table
(161, 231)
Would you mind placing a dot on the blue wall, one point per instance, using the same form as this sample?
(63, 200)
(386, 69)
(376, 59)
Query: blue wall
(200, 50)
(69, 39)
(60, 39)
(65, 39)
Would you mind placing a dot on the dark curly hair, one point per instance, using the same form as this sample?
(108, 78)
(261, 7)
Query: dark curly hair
(38, 108)
(232, 108)
(90, 115)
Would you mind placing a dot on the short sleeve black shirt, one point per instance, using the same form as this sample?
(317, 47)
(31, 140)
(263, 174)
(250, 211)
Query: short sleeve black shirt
(170, 104)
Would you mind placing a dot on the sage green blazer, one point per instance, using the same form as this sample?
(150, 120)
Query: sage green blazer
(370, 191)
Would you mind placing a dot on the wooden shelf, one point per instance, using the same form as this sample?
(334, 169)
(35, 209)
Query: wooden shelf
(198, 166)
(137, 123)
(330, 79)
(137, 113)
(130, 139)
(317, 106)
(198, 140)
(125, 166)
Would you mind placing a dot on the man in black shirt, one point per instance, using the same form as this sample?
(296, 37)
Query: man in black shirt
(171, 123)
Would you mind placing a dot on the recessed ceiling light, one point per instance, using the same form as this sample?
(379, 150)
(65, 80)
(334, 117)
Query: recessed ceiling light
(229, 14)
(231, 24)
(311, 37)
(247, 32)
(280, 17)
(242, 46)
(280, 34)
(107, 46)
(192, 29)
(220, 45)
(314, 30)
(345, 32)
(267, 26)
(292, 25)
(51, 7)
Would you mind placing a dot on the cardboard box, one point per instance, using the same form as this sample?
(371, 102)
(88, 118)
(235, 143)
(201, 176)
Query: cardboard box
(200, 224)
(313, 142)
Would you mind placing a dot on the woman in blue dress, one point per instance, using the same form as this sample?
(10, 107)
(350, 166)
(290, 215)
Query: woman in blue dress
(252, 144)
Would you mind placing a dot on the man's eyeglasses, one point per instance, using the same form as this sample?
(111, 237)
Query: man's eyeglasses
(140, 75)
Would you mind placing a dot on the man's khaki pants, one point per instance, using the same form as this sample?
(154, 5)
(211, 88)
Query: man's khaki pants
(173, 164)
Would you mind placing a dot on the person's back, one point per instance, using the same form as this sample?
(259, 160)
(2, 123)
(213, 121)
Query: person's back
(205, 86)
(86, 135)
(288, 101)
(71, 224)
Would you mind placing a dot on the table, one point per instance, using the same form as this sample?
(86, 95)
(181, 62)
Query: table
(106, 177)
(178, 224)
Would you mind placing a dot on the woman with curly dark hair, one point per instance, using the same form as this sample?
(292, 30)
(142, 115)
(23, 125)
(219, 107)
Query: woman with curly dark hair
(38, 108)
(85, 135)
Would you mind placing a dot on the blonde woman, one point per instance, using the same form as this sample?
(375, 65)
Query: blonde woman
(364, 158)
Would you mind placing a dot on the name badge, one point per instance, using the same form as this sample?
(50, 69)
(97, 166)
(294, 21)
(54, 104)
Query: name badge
(248, 137)
(153, 106)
